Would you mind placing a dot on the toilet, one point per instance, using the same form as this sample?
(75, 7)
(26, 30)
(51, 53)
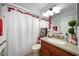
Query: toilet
(36, 49)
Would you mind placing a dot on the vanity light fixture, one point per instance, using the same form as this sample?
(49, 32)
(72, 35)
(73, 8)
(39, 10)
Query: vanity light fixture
(48, 13)
(56, 10)
(52, 11)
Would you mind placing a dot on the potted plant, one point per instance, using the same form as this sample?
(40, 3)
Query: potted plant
(71, 31)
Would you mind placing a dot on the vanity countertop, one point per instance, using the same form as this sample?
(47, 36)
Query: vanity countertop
(67, 47)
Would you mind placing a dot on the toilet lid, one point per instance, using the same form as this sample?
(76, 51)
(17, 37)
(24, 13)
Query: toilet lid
(36, 47)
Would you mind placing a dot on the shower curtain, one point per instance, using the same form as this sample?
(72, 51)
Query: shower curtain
(22, 32)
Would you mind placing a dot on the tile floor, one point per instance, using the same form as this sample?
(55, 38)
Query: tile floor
(32, 54)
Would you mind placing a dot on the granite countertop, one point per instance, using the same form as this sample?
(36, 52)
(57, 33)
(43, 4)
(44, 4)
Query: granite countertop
(69, 47)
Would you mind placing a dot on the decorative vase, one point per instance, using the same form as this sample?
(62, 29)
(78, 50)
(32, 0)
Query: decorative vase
(73, 39)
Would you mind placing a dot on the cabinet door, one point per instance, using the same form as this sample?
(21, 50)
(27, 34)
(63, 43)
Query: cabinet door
(53, 51)
(45, 52)
(50, 50)
(45, 49)
(60, 52)
(46, 45)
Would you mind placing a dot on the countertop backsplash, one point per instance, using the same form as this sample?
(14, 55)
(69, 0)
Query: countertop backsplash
(56, 35)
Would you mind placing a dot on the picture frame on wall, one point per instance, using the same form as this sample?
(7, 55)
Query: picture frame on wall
(56, 29)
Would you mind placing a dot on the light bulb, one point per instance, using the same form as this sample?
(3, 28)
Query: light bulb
(48, 12)
(45, 14)
(56, 10)
(52, 13)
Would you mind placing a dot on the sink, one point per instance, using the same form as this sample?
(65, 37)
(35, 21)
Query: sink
(54, 40)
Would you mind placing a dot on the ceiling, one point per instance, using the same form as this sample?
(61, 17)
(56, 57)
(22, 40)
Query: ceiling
(36, 8)
(33, 6)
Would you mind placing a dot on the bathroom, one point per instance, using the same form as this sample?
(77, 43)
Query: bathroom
(39, 29)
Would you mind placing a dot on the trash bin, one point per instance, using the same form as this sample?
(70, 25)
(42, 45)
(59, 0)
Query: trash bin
(36, 49)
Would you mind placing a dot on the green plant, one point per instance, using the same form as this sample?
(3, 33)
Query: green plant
(72, 24)
(71, 31)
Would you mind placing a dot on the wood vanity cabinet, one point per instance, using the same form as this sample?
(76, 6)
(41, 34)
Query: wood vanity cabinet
(50, 50)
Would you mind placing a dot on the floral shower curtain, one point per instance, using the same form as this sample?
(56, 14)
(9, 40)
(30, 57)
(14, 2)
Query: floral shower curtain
(22, 31)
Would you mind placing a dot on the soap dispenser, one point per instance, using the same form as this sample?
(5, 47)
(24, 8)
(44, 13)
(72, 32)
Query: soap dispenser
(66, 37)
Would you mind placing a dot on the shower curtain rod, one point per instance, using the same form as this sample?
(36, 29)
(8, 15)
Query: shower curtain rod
(28, 11)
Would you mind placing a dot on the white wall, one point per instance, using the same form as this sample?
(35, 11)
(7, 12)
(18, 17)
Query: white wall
(43, 24)
(63, 18)
(78, 25)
